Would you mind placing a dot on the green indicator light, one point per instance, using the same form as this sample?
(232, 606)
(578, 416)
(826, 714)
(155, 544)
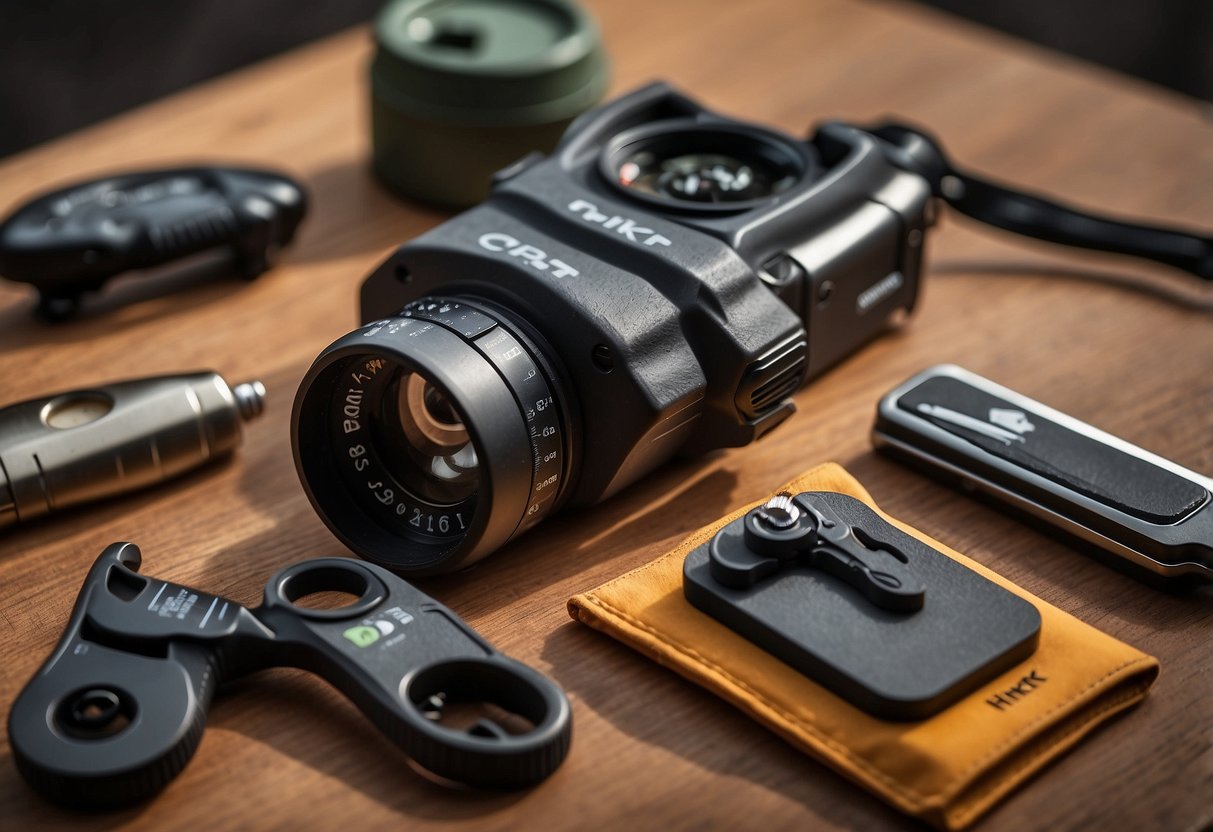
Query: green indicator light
(362, 636)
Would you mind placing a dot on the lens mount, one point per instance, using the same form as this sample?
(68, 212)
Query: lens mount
(428, 440)
(687, 165)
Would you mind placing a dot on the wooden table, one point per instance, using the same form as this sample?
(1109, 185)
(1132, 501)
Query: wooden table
(1118, 343)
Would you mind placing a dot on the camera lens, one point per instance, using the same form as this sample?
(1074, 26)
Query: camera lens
(428, 440)
(437, 459)
(720, 167)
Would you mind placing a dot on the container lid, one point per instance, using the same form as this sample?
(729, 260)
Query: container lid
(488, 61)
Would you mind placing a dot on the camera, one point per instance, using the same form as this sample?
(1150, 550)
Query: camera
(661, 285)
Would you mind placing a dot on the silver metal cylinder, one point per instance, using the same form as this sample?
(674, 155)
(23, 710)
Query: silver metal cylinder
(70, 448)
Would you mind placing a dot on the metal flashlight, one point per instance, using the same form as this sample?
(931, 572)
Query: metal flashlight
(62, 450)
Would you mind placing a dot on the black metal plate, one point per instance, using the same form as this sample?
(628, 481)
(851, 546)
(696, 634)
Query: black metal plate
(900, 666)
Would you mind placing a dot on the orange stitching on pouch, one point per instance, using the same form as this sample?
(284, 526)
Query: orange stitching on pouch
(975, 801)
(1043, 717)
(911, 795)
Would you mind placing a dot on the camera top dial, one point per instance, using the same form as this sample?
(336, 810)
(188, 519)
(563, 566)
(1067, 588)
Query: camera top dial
(680, 165)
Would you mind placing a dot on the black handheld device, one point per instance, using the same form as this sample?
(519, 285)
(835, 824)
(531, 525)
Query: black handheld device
(662, 284)
(119, 707)
(73, 240)
(1148, 513)
(822, 582)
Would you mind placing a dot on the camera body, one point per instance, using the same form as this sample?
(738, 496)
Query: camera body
(663, 313)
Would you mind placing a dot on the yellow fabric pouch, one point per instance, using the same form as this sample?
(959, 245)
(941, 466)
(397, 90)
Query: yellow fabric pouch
(947, 769)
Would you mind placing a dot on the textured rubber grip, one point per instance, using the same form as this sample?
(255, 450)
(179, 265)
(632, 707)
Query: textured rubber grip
(1081, 463)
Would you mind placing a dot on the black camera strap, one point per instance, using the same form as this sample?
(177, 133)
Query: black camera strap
(1034, 216)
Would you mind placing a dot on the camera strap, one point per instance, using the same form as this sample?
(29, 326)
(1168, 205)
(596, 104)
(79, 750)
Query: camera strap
(1034, 216)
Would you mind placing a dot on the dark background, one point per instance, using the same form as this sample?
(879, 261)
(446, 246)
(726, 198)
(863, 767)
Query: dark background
(67, 63)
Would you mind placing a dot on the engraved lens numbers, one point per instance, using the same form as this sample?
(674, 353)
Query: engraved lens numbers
(364, 382)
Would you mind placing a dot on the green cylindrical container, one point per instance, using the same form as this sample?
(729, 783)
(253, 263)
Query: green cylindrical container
(462, 88)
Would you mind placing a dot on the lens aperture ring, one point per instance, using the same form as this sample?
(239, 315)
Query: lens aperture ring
(524, 374)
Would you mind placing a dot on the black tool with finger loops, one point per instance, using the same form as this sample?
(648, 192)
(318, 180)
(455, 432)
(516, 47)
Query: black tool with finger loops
(824, 583)
(118, 709)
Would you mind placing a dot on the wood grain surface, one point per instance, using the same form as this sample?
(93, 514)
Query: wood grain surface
(1117, 343)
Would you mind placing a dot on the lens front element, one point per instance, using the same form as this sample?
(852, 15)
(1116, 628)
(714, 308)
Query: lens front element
(442, 464)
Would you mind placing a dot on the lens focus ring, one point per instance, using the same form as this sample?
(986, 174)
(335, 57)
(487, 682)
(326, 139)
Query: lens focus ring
(522, 372)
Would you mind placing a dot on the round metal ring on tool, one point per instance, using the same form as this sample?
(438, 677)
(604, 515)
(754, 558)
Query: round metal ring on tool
(94, 713)
(779, 512)
(779, 528)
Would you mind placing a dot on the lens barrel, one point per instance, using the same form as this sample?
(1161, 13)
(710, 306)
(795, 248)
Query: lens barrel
(428, 440)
